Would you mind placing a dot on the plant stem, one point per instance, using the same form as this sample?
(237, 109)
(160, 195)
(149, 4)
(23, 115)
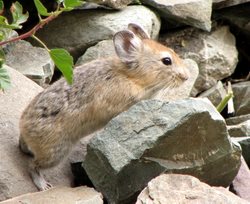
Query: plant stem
(33, 30)
(224, 102)
(41, 42)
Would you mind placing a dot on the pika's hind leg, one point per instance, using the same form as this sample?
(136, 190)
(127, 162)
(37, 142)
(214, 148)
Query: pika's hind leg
(24, 148)
(38, 178)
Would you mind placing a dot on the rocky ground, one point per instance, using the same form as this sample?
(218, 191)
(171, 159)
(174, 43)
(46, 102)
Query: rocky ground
(175, 148)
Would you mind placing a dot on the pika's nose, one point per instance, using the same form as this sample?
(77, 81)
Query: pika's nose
(183, 73)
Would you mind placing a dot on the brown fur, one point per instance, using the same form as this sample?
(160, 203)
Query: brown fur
(62, 114)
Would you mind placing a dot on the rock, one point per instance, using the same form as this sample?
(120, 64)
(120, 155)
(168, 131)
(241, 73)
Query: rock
(196, 13)
(215, 53)
(218, 4)
(241, 183)
(238, 119)
(33, 62)
(174, 188)
(14, 177)
(184, 90)
(239, 130)
(245, 146)
(215, 94)
(102, 49)
(81, 29)
(116, 4)
(241, 98)
(186, 136)
(60, 195)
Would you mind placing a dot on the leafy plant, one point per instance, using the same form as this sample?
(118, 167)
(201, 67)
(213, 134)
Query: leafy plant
(62, 59)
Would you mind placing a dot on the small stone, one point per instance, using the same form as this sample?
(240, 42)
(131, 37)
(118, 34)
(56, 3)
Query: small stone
(215, 94)
(238, 119)
(245, 146)
(176, 188)
(33, 62)
(196, 13)
(239, 130)
(241, 98)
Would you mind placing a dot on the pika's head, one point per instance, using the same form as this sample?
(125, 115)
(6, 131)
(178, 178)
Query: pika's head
(148, 60)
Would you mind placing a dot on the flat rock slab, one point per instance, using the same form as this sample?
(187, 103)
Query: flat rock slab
(14, 177)
(173, 188)
(186, 136)
(60, 195)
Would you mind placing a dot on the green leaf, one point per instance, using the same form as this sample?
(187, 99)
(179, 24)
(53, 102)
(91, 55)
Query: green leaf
(4, 78)
(42, 10)
(64, 61)
(4, 23)
(70, 4)
(17, 15)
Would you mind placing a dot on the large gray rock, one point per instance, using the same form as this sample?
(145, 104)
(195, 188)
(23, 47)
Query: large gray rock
(218, 4)
(14, 177)
(60, 195)
(33, 62)
(239, 130)
(173, 188)
(215, 53)
(116, 4)
(187, 136)
(215, 94)
(242, 98)
(78, 30)
(196, 13)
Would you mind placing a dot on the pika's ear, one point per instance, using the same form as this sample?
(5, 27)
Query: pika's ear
(127, 45)
(138, 31)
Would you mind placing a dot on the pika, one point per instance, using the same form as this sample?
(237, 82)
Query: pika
(62, 114)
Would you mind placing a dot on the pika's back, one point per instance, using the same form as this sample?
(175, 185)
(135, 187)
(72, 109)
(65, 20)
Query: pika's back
(104, 87)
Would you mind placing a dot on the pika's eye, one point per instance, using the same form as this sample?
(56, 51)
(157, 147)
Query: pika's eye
(166, 60)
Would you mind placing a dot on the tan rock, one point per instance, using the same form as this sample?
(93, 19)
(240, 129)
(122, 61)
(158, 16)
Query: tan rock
(176, 188)
(60, 195)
